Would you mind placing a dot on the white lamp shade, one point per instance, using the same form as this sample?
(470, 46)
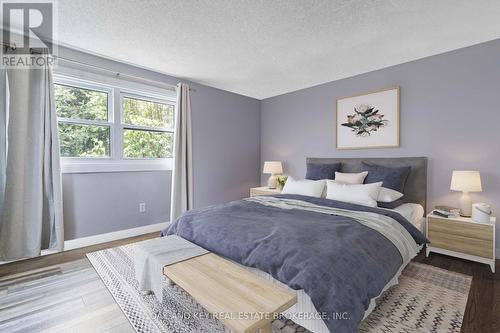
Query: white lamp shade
(466, 181)
(273, 167)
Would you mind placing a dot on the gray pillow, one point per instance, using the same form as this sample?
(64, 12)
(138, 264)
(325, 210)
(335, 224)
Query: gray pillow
(317, 171)
(394, 178)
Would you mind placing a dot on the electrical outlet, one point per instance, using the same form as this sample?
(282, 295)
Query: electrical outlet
(142, 207)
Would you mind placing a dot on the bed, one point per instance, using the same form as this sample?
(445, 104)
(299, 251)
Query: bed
(338, 257)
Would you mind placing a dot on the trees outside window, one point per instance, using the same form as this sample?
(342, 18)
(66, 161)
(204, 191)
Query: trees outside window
(92, 125)
(83, 116)
(148, 128)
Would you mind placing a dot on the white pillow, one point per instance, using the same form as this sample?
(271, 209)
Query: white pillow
(388, 195)
(361, 194)
(351, 178)
(311, 188)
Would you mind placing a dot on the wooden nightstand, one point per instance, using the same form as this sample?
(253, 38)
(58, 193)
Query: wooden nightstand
(462, 237)
(264, 190)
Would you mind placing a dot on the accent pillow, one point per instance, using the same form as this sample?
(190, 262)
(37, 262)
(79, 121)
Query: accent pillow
(361, 194)
(393, 178)
(311, 188)
(351, 178)
(316, 171)
(388, 195)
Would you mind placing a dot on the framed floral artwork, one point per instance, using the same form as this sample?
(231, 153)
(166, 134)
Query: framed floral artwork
(369, 120)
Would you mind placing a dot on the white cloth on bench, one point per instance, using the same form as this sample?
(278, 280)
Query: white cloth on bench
(152, 255)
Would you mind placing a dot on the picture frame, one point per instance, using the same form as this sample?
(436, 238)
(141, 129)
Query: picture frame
(368, 120)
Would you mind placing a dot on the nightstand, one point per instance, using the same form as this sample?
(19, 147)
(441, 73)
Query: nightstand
(264, 190)
(462, 237)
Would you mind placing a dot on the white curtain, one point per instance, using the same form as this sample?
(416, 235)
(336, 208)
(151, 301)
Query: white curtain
(31, 207)
(182, 173)
(3, 134)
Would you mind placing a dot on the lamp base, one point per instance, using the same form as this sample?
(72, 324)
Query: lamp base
(271, 182)
(465, 205)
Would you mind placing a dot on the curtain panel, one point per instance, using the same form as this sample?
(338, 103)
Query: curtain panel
(31, 208)
(182, 173)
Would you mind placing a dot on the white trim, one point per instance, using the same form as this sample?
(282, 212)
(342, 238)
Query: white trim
(112, 236)
(73, 70)
(93, 86)
(115, 162)
(470, 257)
(146, 128)
(75, 121)
(117, 143)
(77, 165)
(102, 238)
(459, 254)
(148, 96)
(493, 219)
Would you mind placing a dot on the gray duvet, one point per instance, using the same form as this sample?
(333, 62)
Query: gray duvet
(340, 263)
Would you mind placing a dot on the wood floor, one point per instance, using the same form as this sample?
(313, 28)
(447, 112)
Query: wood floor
(64, 294)
(60, 293)
(66, 256)
(65, 298)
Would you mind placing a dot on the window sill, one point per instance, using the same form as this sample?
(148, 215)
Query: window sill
(101, 166)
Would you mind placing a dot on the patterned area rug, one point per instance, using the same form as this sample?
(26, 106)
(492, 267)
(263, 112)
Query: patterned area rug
(427, 299)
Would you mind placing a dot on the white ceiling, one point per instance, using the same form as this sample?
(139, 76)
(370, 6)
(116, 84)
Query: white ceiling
(263, 48)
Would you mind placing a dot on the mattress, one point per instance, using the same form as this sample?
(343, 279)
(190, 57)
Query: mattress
(414, 213)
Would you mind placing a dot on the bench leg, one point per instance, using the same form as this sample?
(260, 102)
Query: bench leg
(267, 328)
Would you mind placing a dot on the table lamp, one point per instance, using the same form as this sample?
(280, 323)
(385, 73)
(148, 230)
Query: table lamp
(466, 181)
(274, 168)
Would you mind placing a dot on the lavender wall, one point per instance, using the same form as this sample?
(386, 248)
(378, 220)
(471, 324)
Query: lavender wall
(226, 153)
(450, 112)
(226, 145)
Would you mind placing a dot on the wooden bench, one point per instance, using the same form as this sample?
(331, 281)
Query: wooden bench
(242, 301)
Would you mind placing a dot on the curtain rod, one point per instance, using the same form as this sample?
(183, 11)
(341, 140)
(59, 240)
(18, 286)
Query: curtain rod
(115, 73)
(118, 74)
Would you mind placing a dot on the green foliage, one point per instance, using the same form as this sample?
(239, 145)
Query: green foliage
(281, 180)
(146, 144)
(81, 140)
(79, 103)
(146, 113)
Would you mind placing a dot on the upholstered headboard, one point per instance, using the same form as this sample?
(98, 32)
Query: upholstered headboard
(416, 184)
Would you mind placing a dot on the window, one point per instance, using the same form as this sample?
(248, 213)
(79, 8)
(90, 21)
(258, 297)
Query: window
(84, 127)
(104, 128)
(148, 128)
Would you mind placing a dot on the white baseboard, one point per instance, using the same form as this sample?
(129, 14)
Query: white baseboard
(111, 236)
(103, 238)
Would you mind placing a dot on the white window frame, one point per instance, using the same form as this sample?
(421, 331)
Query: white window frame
(116, 162)
(123, 126)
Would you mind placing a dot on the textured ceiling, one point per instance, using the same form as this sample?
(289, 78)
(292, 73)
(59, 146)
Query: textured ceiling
(263, 48)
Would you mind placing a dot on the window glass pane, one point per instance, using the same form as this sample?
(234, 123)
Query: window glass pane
(83, 140)
(146, 113)
(79, 103)
(146, 144)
